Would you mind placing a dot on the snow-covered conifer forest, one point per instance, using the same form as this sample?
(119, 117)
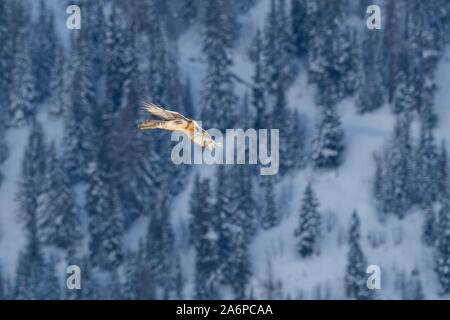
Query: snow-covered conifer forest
(364, 168)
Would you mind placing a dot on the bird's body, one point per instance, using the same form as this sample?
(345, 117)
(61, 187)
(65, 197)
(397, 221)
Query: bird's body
(175, 121)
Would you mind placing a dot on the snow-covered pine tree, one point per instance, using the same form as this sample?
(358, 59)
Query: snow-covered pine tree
(179, 278)
(57, 102)
(130, 288)
(57, 216)
(371, 94)
(159, 245)
(297, 142)
(233, 256)
(332, 52)
(6, 56)
(269, 214)
(355, 275)
(378, 179)
(442, 173)
(22, 94)
(82, 122)
(393, 42)
(50, 282)
(300, 21)
(218, 97)
(114, 53)
(404, 95)
(399, 167)
(164, 87)
(328, 144)
(105, 215)
(425, 51)
(188, 99)
(4, 150)
(429, 225)
(309, 229)
(112, 232)
(258, 90)
(426, 166)
(283, 120)
(276, 46)
(32, 175)
(188, 11)
(443, 248)
(30, 266)
(43, 50)
(134, 166)
(249, 221)
(204, 236)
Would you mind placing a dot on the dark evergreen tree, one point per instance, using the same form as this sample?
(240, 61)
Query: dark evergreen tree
(6, 56)
(3, 294)
(328, 144)
(50, 282)
(29, 283)
(83, 122)
(442, 173)
(188, 102)
(218, 97)
(114, 54)
(429, 226)
(159, 246)
(189, 11)
(32, 176)
(179, 279)
(426, 166)
(397, 178)
(22, 94)
(269, 212)
(233, 256)
(56, 209)
(378, 179)
(247, 202)
(355, 276)
(443, 249)
(309, 228)
(131, 275)
(258, 89)
(332, 52)
(300, 22)
(276, 47)
(105, 216)
(283, 120)
(43, 51)
(57, 78)
(204, 235)
(4, 150)
(371, 95)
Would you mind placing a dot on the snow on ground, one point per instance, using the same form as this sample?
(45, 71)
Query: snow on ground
(11, 230)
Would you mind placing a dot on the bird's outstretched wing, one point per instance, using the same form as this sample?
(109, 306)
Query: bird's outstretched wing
(161, 112)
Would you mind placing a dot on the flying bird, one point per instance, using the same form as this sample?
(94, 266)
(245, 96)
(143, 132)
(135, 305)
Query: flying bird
(175, 121)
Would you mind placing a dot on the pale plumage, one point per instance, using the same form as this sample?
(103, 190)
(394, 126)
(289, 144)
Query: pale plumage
(175, 121)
